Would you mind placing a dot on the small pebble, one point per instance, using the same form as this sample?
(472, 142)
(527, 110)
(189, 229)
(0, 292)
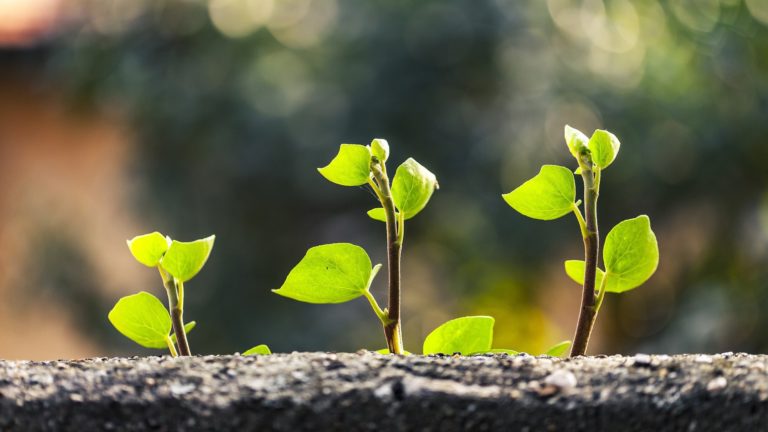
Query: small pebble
(642, 359)
(716, 384)
(562, 379)
(181, 389)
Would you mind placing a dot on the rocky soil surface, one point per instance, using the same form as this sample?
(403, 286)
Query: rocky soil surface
(372, 392)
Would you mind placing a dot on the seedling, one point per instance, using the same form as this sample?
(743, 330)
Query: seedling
(258, 350)
(341, 272)
(631, 253)
(142, 317)
(472, 335)
(465, 336)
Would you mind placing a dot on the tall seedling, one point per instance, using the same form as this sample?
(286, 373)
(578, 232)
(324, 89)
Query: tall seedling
(340, 272)
(630, 253)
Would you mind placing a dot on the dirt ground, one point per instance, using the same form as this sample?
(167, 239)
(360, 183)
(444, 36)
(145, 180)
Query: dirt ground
(371, 392)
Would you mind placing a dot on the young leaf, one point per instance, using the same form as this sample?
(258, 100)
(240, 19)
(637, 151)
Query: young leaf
(500, 351)
(378, 214)
(350, 167)
(143, 319)
(604, 147)
(464, 335)
(148, 249)
(412, 187)
(332, 273)
(558, 349)
(549, 195)
(187, 328)
(380, 149)
(575, 140)
(631, 254)
(258, 350)
(185, 259)
(575, 270)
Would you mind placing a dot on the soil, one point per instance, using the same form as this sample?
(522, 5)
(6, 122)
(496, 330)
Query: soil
(371, 392)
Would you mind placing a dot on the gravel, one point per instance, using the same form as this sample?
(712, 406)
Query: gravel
(371, 392)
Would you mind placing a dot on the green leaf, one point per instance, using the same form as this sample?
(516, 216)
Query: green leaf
(332, 273)
(379, 214)
(549, 195)
(464, 335)
(604, 147)
(148, 249)
(575, 140)
(559, 349)
(143, 319)
(185, 259)
(575, 270)
(258, 350)
(187, 328)
(380, 149)
(631, 254)
(350, 167)
(412, 187)
(500, 351)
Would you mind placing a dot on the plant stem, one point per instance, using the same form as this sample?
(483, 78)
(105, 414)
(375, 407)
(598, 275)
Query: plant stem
(591, 236)
(175, 291)
(376, 308)
(392, 331)
(171, 346)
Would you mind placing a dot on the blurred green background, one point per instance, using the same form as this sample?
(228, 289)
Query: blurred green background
(193, 117)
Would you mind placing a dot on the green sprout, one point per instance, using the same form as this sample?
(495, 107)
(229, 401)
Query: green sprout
(258, 350)
(142, 317)
(630, 253)
(471, 335)
(341, 272)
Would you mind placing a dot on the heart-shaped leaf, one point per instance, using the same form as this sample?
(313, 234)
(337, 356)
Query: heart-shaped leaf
(500, 351)
(559, 349)
(148, 249)
(549, 195)
(378, 214)
(143, 319)
(258, 350)
(350, 167)
(464, 335)
(631, 254)
(412, 187)
(604, 147)
(185, 259)
(332, 273)
(575, 270)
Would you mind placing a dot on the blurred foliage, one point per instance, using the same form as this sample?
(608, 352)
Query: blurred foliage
(234, 104)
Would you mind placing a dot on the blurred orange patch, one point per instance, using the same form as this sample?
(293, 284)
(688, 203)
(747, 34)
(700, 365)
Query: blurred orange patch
(23, 22)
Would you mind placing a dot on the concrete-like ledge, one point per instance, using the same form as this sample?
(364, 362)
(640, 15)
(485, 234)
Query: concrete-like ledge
(371, 392)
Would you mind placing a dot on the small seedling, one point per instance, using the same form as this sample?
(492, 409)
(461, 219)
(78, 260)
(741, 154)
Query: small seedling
(142, 317)
(472, 335)
(631, 253)
(466, 336)
(258, 350)
(341, 272)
